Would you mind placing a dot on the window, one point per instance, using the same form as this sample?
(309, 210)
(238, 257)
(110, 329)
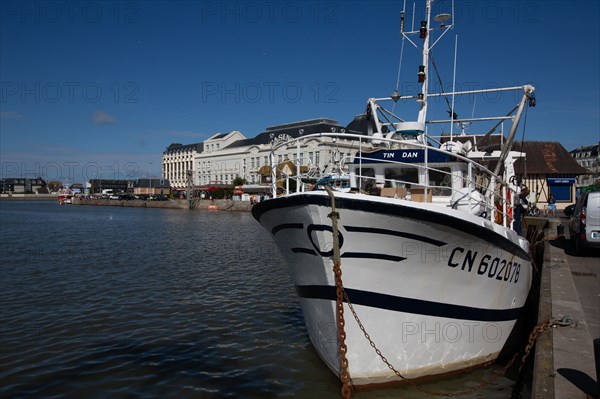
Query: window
(441, 180)
(317, 158)
(366, 178)
(401, 177)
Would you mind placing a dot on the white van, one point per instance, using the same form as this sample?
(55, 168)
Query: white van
(584, 226)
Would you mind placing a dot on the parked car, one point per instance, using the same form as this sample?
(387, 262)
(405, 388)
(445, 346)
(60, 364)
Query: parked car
(158, 197)
(584, 225)
(126, 197)
(142, 197)
(569, 210)
(114, 197)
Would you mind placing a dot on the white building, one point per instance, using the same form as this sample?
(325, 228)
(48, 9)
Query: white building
(227, 156)
(589, 158)
(177, 159)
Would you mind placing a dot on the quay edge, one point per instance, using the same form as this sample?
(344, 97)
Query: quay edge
(217, 205)
(562, 348)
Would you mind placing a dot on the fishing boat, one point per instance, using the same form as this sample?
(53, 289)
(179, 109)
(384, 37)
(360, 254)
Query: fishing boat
(65, 196)
(433, 273)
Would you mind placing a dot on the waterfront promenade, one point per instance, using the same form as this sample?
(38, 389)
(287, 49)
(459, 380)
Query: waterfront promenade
(565, 367)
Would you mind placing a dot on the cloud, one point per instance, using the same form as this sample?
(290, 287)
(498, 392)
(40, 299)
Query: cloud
(11, 115)
(103, 118)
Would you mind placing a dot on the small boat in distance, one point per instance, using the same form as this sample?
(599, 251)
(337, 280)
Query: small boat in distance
(423, 231)
(65, 196)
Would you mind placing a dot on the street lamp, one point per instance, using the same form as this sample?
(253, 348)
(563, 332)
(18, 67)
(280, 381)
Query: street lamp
(150, 174)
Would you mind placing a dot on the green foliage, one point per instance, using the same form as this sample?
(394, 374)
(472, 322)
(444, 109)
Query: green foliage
(239, 181)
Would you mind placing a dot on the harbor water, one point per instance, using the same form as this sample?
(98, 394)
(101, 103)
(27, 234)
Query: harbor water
(112, 302)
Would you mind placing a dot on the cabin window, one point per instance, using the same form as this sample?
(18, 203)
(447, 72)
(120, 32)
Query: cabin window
(401, 177)
(366, 178)
(440, 180)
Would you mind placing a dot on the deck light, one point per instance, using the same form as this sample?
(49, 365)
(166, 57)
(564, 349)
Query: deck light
(395, 96)
(423, 30)
(421, 73)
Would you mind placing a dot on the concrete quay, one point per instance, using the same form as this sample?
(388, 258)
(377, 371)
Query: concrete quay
(565, 366)
(213, 205)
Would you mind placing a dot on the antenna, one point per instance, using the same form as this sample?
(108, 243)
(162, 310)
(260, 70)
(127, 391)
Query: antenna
(441, 18)
(453, 81)
(396, 95)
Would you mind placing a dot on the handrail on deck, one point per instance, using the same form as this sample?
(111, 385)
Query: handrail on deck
(497, 204)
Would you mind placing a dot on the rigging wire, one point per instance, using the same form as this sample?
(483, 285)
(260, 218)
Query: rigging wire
(522, 149)
(451, 112)
(401, 51)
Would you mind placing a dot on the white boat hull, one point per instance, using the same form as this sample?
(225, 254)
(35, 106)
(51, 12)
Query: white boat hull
(438, 290)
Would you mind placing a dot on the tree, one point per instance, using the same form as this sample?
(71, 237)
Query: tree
(239, 181)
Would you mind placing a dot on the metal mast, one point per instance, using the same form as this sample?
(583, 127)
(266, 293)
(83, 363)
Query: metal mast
(424, 68)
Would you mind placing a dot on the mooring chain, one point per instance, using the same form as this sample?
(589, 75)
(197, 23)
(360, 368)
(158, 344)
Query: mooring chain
(339, 291)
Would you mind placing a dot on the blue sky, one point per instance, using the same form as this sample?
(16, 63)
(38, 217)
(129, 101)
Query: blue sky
(106, 86)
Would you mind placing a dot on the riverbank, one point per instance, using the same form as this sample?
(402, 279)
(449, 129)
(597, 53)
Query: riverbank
(29, 197)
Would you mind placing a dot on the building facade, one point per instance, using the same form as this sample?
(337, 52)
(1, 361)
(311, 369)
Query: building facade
(239, 156)
(152, 186)
(177, 160)
(116, 185)
(548, 168)
(589, 158)
(221, 158)
(23, 185)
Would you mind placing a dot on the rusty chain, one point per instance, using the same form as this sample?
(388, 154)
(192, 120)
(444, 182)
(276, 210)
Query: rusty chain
(535, 333)
(339, 303)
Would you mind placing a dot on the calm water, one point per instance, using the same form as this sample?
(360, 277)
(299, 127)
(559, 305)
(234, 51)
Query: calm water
(155, 303)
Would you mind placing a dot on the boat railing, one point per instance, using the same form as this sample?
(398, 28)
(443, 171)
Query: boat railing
(494, 194)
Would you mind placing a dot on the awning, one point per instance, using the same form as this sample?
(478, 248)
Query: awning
(561, 180)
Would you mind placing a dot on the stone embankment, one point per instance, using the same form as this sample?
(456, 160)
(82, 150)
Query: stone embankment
(216, 205)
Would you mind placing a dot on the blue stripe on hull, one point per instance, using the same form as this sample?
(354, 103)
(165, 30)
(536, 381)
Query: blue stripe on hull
(409, 305)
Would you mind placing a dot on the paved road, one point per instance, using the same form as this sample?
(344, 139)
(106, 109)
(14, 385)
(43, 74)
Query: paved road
(586, 276)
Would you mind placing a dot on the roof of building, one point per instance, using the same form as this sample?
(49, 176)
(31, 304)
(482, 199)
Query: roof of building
(23, 180)
(546, 157)
(295, 129)
(593, 149)
(362, 124)
(177, 147)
